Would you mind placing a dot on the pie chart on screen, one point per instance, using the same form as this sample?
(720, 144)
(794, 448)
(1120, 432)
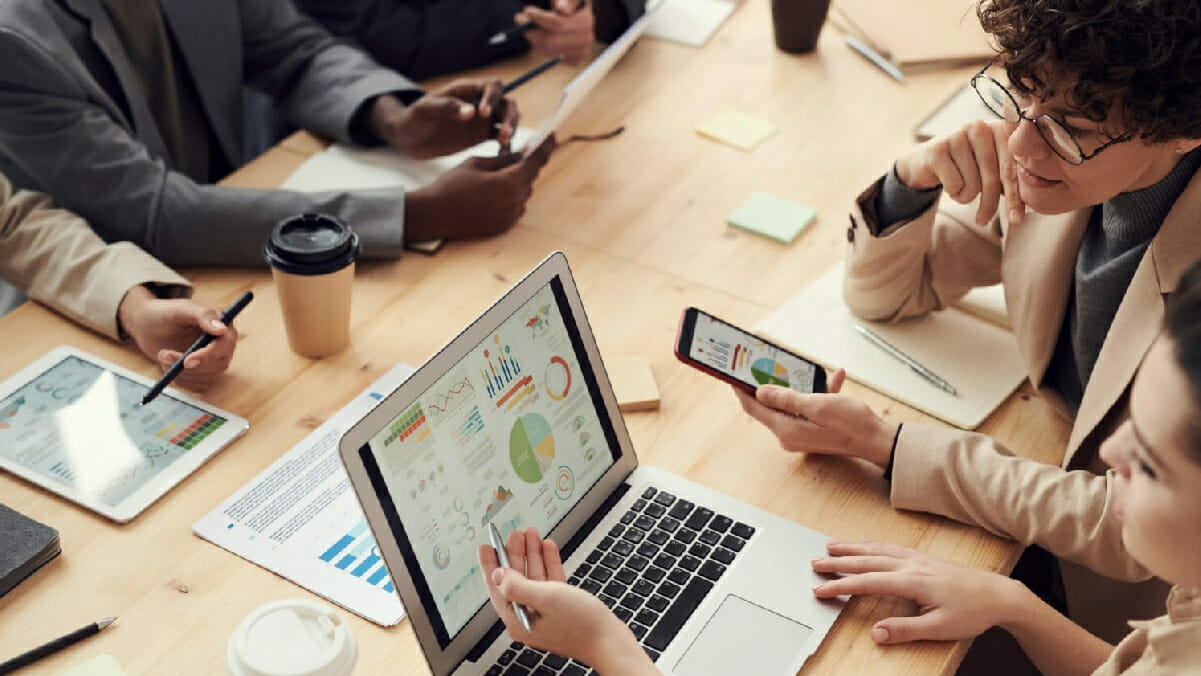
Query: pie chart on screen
(531, 447)
(768, 372)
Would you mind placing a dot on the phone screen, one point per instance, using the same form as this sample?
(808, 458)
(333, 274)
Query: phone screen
(738, 354)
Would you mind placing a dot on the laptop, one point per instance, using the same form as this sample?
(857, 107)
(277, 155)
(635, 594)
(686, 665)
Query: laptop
(514, 422)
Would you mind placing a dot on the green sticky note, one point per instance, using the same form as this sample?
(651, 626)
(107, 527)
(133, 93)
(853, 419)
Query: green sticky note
(772, 217)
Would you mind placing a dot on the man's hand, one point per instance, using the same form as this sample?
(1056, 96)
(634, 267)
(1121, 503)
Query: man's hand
(565, 31)
(447, 120)
(827, 423)
(164, 328)
(481, 197)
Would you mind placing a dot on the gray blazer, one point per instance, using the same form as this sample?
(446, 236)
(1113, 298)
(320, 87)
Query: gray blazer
(75, 123)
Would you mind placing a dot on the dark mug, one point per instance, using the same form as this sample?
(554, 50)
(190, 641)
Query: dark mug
(797, 23)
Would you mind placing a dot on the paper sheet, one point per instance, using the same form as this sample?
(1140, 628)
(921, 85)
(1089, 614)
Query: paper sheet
(964, 106)
(978, 357)
(300, 519)
(690, 22)
(100, 665)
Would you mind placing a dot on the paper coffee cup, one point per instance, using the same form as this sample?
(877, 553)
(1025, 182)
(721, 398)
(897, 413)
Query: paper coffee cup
(312, 260)
(294, 637)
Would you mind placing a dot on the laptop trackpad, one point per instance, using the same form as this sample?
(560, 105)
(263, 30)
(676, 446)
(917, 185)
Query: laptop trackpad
(742, 636)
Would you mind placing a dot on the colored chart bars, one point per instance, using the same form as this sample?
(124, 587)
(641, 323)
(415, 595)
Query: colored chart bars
(411, 423)
(356, 554)
(502, 368)
(192, 434)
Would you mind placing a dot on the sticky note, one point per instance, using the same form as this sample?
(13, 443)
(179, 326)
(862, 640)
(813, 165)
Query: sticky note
(100, 665)
(633, 383)
(772, 217)
(736, 129)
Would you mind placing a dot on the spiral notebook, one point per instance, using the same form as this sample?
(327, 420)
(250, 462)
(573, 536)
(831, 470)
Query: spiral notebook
(969, 345)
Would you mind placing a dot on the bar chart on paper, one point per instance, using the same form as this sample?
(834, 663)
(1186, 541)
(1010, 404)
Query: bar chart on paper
(355, 554)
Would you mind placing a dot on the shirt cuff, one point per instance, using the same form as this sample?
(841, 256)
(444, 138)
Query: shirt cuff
(896, 202)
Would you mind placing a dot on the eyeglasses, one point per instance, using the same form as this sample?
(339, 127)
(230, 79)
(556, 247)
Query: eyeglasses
(1002, 103)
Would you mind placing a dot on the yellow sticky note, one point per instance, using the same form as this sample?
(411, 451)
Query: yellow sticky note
(736, 129)
(100, 665)
(633, 383)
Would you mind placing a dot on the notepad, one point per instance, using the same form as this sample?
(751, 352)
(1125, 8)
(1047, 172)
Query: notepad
(976, 356)
(100, 665)
(736, 129)
(913, 33)
(772, 217)
(962, 107)
(25, 546)
(343, 167)
(689, 22)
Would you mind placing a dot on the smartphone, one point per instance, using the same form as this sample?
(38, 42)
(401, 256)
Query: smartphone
(740, 358)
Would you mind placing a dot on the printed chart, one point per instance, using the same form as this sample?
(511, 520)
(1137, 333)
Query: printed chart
(355, 553)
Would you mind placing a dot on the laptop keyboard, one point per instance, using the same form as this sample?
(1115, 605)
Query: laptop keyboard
(653, 569)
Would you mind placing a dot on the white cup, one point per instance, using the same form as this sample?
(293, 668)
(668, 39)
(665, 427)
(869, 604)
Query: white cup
(293, 637)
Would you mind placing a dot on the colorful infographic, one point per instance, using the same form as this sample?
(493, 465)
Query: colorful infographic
(736, 353)
(512, 426)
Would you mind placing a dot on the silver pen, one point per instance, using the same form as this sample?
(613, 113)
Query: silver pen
(905, 359)
(503, 557)
(872, 55)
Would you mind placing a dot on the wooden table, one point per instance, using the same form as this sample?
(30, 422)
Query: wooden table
(641, 218)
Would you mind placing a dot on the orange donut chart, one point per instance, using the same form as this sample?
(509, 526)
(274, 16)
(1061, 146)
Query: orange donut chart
(558, 393)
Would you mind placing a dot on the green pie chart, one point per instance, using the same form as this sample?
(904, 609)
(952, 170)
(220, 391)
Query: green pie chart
(531, 447)
(768, 372)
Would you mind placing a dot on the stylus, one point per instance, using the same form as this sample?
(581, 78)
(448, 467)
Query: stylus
(226, 318)
(54, 646)
(513, 31)
(503, 557)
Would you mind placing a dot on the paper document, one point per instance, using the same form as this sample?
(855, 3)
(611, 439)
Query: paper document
(581, 85)
(689, 22)
(964, 106)
(300, 519)
(979, 358)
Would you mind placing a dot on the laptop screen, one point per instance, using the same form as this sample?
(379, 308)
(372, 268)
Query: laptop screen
(510, 434)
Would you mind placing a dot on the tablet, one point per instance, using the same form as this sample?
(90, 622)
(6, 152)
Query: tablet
(73, 424)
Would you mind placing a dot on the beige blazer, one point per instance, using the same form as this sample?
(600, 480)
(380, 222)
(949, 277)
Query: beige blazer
(936, 258)
(54, 257)
(1166, 645)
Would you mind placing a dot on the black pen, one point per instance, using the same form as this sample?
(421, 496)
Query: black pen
(25, 659)
(530, 74)
(512, 32)
(205, 338)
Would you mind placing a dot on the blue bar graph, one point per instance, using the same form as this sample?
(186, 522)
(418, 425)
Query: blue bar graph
(379, 574)
(355, 553)
(336, 549)
(365, 565)
(389, 588)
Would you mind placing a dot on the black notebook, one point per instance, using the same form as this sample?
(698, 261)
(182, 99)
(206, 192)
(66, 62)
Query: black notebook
(25, 546)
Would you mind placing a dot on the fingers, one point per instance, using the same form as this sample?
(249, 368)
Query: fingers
(490, 99)
(960, 148)
(494, 163)
(808, 406)
(836, 381)
(984, 147)
(445, 106)
(553, 561)
(516, 550)
(927, 627)
(535, 566)
(546, 20)
(488, 561)
(1007, 167)
(836, 548)
(853, 565)
(889, 583)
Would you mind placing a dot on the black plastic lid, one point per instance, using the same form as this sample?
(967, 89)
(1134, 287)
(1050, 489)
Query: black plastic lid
(311, 244)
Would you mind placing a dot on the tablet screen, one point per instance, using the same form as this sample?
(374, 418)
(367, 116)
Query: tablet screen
(82, 426)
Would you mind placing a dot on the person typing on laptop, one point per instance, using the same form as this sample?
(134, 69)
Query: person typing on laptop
(1150, 501)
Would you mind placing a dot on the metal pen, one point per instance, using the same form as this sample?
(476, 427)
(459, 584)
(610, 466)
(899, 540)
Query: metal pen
(872, 55)
(905, 359)
(503, 557)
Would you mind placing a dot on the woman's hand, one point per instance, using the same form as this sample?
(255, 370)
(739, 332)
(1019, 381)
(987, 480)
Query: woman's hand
(828, 423)
(954, 601)
(971, 161)
(564, 620)
(163, 328)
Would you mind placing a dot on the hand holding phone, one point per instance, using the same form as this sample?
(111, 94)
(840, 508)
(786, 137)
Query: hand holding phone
(741, 358)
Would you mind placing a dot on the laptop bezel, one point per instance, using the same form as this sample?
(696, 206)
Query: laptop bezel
(443, 661)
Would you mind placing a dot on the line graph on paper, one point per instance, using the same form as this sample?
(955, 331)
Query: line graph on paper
(445, 403)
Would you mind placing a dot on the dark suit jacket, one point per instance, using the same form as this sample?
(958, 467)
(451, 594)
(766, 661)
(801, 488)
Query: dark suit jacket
(75, 123)
(427, 38)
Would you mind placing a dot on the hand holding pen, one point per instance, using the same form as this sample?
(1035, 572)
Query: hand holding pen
(567, 30)
(220, 326)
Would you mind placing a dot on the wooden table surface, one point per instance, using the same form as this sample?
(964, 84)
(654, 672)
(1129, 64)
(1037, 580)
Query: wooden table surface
(642, 221)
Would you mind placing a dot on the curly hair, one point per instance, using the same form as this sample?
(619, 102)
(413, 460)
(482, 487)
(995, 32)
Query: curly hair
(1133, 64)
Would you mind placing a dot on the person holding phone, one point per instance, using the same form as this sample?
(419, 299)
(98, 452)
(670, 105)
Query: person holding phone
(1150, 499)
(114, 289)
(1082, 198)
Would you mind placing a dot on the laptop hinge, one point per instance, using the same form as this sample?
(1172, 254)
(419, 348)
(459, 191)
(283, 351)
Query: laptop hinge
(477, 651)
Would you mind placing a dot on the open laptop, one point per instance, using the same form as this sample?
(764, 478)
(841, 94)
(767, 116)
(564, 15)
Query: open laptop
(515, 422)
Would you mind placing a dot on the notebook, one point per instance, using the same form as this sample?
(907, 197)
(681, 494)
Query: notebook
(817, 325)
(962, 107)
(690, 22)
(25, 546)
(919, 32)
